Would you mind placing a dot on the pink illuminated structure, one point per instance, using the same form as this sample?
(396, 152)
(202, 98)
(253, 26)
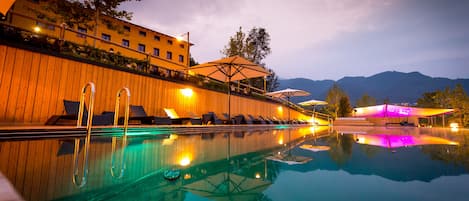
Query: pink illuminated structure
(394, 141)
(398, 111)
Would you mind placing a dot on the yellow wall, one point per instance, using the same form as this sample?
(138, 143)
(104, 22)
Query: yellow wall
(34, 85)
(22, 16)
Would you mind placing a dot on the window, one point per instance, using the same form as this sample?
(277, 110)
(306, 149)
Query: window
(125, 43)
(181, 58)
(169, 55)
(81, 30)
(181, 46)
(156, 38)
(106, 37)
(142, 33)
(141, 47)
(127, 28)
(156, 52)
(44, 25)
(170, 42)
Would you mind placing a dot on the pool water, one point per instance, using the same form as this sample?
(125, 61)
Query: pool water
(278, 163)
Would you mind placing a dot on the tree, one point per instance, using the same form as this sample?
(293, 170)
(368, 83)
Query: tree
(456, 99)
(333, 97)
(257, 45)
(366, 100)
(344, 107)
(254, 46)
(73, 12)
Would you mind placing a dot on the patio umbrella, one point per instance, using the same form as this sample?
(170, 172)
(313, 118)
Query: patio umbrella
(288, 93)
(313, 103)
(5, 6)
(230, 69)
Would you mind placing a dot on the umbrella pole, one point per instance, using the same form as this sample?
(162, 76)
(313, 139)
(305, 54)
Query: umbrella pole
(288, 104)
(229, 99)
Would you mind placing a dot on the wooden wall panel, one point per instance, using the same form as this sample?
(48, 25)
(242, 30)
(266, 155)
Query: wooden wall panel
(36, 84)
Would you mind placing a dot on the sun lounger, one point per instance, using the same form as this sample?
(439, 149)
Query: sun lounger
(212, 118)
(71, 116)
(137, 113)
(254, 120)
(176, 119)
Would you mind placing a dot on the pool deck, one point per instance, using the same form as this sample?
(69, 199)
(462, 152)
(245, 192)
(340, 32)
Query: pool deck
(7, 192)
(22, 132)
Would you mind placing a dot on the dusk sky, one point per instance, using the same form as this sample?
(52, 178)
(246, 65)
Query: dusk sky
(325, 39)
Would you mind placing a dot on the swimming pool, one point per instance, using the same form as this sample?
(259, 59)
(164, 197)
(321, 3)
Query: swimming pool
(269, 163)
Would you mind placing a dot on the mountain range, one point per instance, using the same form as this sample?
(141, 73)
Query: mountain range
(398, 87)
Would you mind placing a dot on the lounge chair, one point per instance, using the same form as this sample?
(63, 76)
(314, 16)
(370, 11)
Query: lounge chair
(267, 121)
(71, 116)
(212, 118)
(137, 113)
(176, 119)
(254, 120)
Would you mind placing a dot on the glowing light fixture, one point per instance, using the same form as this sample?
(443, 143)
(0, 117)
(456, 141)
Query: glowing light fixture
(185, 161)
(187, 92)
(453, 125)
(280, 109)
(258, 176)
(37, 29)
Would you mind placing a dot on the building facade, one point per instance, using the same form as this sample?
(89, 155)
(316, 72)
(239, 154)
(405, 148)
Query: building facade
(124, 38)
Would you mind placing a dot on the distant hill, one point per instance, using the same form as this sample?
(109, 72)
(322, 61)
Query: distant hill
(397, 86)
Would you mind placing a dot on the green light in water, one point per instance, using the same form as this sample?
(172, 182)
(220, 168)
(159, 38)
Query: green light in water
(281, 127)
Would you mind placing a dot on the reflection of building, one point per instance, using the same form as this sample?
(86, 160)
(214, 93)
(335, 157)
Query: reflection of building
(122, 37)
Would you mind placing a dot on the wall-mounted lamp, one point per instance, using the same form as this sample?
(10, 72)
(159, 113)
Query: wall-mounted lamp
(37, 29)
(187, 92)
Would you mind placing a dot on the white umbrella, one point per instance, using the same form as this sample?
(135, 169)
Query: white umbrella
(313, 103)
(230, 69)
(288, 93)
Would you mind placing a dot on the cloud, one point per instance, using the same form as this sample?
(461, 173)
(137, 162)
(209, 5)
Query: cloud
(322, 38)
(291, 24)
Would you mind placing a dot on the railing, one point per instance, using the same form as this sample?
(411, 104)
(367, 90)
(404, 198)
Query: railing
(76, 150)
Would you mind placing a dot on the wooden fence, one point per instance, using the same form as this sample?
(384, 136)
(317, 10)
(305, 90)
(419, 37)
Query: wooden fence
(33, 86)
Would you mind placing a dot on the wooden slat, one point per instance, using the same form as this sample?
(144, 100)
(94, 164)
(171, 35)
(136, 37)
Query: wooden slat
(36, 85)
(6, 81)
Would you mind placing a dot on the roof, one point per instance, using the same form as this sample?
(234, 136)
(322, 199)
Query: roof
(398, 111)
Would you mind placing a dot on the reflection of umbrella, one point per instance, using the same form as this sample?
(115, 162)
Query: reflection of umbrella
(315, 148)
(228, 186)
(289, 159)
(230, 69)
(395, 141)
(288, 93)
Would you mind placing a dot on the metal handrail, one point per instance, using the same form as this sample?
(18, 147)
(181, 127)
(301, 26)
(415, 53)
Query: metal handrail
(127, 106)
(124, 137)
(113, 167)
(87, 138)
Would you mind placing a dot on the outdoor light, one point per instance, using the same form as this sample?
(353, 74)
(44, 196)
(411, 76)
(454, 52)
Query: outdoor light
(187, 176)
(280, 109)
(187, 92)
(453, 125)
(185, 161)
(37, 29)
(280, 141)
(258, 176)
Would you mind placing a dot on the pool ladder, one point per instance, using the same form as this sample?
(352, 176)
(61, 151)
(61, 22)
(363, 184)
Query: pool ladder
(75, 178)
(92, 88)
(124, 137)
